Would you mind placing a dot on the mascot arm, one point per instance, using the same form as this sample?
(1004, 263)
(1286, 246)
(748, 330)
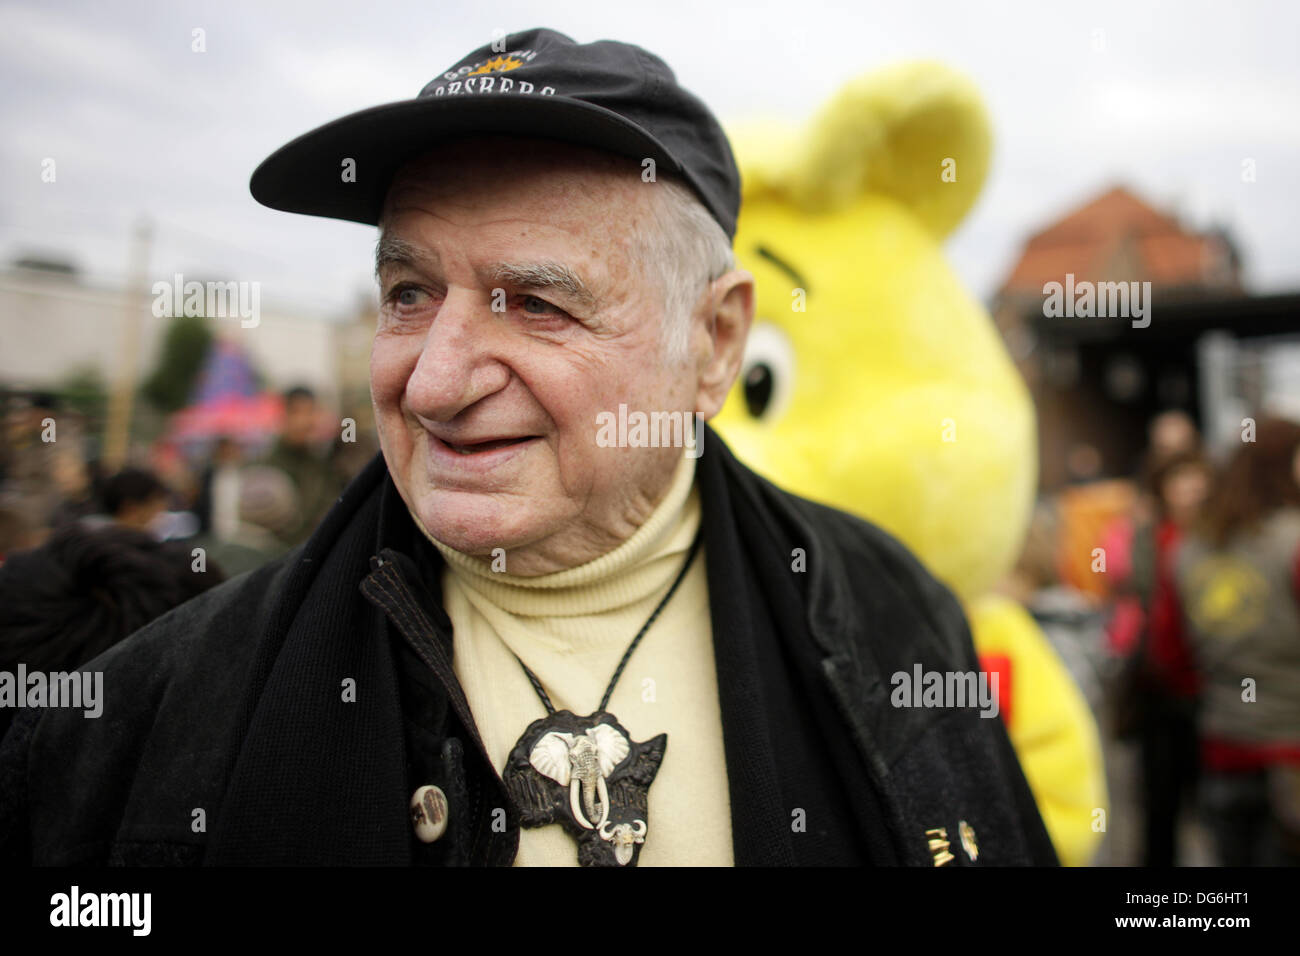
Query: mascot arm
(1049, 723)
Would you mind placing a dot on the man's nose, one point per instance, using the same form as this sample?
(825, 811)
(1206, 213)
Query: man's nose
(456, 368)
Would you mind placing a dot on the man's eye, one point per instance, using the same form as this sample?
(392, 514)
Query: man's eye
(407, 295)
(538, 306)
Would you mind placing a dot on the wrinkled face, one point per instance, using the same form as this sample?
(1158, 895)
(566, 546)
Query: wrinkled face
(514, 311)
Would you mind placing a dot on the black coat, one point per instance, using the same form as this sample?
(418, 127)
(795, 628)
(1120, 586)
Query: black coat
(233, 705)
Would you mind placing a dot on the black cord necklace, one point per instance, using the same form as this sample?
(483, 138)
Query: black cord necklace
(586, 773)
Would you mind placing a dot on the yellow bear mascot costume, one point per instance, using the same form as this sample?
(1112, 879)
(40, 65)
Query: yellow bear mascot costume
(875, 383)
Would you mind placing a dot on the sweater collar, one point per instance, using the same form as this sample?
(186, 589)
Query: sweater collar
(638, 568)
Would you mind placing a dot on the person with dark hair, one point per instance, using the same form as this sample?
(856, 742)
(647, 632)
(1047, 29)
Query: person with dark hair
(1165, 683)
(297, 454)
(134, 498)
(69, 600)
(1239, 581)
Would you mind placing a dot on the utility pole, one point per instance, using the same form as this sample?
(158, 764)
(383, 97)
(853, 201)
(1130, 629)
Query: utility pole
(117, 442)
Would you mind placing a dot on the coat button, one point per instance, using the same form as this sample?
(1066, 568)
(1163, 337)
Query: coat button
(429, 813)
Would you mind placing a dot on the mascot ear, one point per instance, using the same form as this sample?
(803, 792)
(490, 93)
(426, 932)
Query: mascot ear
(891, 132)
(766, 150)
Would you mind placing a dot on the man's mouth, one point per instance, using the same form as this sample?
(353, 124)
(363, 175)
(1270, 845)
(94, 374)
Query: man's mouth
(491, 444)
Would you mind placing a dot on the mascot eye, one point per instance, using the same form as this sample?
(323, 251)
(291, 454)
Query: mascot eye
(758, 389)
(767, 374)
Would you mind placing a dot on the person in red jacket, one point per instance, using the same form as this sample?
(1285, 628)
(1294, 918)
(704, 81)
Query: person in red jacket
(1167, 680)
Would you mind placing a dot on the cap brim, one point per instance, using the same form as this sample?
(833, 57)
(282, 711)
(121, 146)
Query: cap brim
(307, 175)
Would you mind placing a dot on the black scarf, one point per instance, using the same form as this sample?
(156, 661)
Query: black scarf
(319, 781)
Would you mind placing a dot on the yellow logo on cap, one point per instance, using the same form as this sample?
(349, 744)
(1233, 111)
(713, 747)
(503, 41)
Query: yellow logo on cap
(499, 64)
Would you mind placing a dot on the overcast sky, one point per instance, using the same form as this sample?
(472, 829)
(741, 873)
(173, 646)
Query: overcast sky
(140, 125)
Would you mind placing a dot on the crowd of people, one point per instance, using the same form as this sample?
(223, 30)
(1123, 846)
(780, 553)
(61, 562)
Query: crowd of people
(86, 557)
(1205, 625)
(1173, 599)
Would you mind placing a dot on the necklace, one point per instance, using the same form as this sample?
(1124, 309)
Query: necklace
(587, 773)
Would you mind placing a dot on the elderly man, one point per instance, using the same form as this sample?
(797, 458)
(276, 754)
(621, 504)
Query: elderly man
(513, 640)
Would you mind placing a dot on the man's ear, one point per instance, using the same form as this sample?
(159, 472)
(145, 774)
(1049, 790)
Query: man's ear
(728, 316)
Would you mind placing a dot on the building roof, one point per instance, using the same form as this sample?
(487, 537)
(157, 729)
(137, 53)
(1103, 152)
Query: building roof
(1119, 237)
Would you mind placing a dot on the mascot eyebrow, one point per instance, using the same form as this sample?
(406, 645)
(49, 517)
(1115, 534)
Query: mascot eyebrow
(784, 266)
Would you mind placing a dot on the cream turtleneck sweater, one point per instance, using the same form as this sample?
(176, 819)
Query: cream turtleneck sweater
(571, 628)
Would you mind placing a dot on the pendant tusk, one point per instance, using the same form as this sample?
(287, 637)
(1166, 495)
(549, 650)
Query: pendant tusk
(603, 791)
(575, 803)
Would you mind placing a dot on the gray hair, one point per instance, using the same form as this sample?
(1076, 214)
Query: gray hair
(689, 249)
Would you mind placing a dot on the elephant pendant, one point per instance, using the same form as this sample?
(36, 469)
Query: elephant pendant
(589, 776)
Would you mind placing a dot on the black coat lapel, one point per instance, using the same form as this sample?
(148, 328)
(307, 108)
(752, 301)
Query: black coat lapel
(318, 780)
(787, 746)
(760, 823)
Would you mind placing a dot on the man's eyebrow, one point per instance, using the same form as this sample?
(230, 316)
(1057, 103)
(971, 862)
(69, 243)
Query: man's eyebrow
(541, 275)
(400, 252)
(530, 275)
(784, 266)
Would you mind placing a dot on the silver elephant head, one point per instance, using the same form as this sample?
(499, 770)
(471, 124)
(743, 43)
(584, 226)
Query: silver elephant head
(581, 762)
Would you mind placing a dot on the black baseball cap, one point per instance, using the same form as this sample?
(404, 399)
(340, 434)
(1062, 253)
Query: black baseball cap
(539, 83)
